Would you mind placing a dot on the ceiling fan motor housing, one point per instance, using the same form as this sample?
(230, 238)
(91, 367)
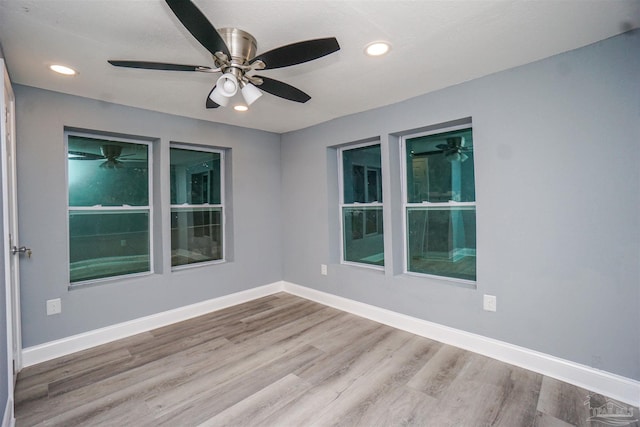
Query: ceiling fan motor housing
(110, 151)
(242, 45)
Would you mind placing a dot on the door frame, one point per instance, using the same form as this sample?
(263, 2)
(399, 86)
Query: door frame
(10, 230)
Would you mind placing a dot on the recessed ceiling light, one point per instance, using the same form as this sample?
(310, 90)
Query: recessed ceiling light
(61, 69)
(377, 48)
(241, 108)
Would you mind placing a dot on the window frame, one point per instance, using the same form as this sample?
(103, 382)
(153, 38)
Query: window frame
(341, 204)
(107, 209)
(406, 205)
(221, 152)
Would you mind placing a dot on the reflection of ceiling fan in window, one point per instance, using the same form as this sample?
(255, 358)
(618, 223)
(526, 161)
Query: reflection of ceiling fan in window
(453, 150)
(110, 153)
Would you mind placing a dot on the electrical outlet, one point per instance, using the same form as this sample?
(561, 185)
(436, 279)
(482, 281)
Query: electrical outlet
(323, 269)
(490, 303)
(54, 306)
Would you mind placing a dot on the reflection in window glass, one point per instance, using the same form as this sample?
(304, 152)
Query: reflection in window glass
(196, 206)
(440, 205)
(109, 207)
(107, 173)
(105, 244)
(361, 172)
(440, 168)
(362, 235)
(196, 235)
(442, 241)
(195, 177)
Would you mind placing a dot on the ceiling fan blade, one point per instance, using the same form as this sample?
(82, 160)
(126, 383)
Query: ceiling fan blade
(80, 155)
(199, 26)
(426, 153)
(297, 53)
(283, 90)
(210, 103)
(443, 146)
(157, 66)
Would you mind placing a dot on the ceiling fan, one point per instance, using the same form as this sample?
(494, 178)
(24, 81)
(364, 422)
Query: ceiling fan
(111, 153)
(453, 150)
(234, 55)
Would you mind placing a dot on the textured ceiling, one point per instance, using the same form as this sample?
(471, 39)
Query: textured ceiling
(435, 44)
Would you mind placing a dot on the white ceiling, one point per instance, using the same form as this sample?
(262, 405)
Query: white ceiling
(435, 44)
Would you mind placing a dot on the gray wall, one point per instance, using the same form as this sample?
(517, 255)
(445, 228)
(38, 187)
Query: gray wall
(256, 242)
(557, 148)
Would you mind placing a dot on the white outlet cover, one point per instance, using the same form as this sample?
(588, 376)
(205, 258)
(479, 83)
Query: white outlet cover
(54, 306)
(490, 303)
(323, 269)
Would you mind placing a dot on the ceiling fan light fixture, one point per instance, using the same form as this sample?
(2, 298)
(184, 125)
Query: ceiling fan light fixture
(227, 85)
(377, 48)
(250, 93)
(453, 157)
(241, 108)
(217, 97)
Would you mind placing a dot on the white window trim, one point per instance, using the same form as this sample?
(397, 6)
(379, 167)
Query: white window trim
(148, 208)
(406, 205)
(204, 205)
(343, 205)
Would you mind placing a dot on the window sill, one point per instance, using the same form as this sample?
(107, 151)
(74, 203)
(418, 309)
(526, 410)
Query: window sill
(464, 283)
(106, 280)
(184, 267)
(363, 265)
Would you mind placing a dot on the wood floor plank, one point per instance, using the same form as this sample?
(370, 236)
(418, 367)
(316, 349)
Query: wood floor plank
(138, 358)
(400, 406)
(519, 396)
(77, 367)
(199, 408)
(564, 402)
(439, 371)
(286, 361)
(307, 408)
(32, 412)
(248, 356)
(72, 361)
(367, 391)
(257, 326)
(544, 420)
(256, 408)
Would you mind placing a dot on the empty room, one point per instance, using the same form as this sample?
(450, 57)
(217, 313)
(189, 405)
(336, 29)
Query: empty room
(315, 213)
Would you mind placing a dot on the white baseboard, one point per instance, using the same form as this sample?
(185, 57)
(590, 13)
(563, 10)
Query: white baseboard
(53, 349)
(614, 386)
(611, 385)
(8, 420)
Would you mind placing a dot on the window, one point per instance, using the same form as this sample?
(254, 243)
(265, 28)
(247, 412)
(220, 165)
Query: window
(109, 207)
(361, 207)
(441, 204)
(196, 206)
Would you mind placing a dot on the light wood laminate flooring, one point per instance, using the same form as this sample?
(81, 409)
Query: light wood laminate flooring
(286, 361)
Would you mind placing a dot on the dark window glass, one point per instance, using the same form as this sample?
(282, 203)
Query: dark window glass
(196, 230)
